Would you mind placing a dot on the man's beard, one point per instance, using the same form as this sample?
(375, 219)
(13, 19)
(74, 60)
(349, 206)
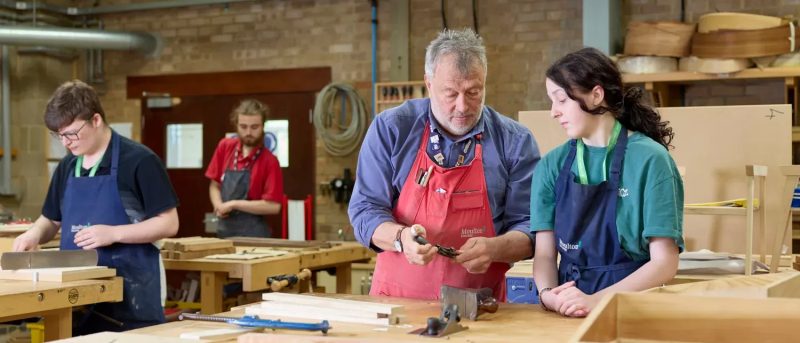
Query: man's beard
(252, 142)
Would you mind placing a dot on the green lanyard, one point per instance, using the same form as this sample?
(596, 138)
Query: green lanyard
(582, 175)
(91, 171)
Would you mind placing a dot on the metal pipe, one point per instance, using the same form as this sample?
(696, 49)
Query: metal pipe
(64, 54)
(75, 11)
(5, 181)
(79, 38)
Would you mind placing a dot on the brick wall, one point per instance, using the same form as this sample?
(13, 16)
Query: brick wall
(522, 39)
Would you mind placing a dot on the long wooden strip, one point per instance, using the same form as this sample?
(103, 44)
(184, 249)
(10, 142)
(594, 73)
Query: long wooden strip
(274, 242)
(332, 303)
(188, 255)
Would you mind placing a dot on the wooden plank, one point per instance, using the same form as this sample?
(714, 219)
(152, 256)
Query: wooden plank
(713, 167)
(188, 255)
(715, 210)
(389, 309)
(206, 244)
(686, 77)
(59, 274)
(276, 242)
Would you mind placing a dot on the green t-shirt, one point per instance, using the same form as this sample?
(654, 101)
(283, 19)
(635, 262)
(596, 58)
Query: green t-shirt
(650, 200)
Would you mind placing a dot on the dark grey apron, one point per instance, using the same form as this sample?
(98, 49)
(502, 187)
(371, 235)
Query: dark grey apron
(235, 185)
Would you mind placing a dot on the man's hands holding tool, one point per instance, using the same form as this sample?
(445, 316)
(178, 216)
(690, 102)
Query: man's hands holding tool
(475, 255)
(419, 254)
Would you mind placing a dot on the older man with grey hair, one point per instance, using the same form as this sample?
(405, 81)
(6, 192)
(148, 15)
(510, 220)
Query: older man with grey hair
(443, 184)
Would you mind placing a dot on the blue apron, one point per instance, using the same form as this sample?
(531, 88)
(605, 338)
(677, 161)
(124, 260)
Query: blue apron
(95, 200)
(586, 226)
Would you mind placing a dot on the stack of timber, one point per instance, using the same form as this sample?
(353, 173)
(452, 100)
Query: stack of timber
(279, 243)
(310, 307)
(187, 248)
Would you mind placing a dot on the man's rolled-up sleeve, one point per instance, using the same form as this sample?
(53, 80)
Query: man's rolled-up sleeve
(522, 157)
(373, 194)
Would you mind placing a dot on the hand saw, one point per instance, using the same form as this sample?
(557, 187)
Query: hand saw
(48, 259)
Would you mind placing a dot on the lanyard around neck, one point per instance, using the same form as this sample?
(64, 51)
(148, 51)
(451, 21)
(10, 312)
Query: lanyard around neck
(582, 175)
(80, 164)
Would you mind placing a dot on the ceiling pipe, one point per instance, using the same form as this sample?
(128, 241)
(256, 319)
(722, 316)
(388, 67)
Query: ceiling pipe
(142, 42)
(77, 11)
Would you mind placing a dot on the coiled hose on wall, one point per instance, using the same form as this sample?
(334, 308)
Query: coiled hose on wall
(344, 139)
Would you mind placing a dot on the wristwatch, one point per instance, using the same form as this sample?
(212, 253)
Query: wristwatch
(398, 243)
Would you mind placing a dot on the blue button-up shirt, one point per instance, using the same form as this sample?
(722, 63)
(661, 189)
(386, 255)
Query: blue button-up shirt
(509, 155)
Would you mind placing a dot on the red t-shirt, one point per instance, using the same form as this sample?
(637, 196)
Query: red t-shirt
(266, 180)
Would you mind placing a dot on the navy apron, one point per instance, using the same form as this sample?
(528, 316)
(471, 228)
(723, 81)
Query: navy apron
(586, 226)
(235, 186)
(95, 200)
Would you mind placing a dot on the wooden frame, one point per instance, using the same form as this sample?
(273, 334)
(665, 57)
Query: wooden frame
(792, 174)
(680, 318)
(756, 175)
(774, 285)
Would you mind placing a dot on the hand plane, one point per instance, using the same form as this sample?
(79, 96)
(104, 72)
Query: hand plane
(442, 326)
(471, 302)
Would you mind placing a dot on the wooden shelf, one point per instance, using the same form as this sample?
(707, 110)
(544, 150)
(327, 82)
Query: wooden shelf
(685, 76)
(391, 94)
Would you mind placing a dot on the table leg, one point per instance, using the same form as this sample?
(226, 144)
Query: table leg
(343, 276)
(57, 324)
(211, 292)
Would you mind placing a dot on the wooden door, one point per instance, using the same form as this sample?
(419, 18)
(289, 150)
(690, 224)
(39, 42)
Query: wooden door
(212, 111)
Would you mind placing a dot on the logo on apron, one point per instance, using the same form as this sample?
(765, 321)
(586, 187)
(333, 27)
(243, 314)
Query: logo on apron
(76, 228)
(568, 246)
(468, 232)
(623, 192)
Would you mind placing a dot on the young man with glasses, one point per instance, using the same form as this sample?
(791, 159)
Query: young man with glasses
(111, 194)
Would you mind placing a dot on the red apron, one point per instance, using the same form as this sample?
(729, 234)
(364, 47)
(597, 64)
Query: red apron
(453, 207)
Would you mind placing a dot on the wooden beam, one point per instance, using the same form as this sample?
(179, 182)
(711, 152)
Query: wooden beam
(231, 83)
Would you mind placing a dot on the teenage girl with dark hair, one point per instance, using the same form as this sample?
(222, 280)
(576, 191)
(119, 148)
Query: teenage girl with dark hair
(610, 200)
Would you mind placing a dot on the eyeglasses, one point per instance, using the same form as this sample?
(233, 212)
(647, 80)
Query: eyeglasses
(70, 136)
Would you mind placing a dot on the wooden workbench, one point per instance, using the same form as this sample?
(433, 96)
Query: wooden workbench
(511, 323)
(254, 273)
(54, 301)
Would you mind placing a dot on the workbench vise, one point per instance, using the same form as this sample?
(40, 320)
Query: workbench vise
(471, 302)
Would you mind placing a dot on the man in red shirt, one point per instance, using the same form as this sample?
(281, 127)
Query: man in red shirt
(246, 180)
